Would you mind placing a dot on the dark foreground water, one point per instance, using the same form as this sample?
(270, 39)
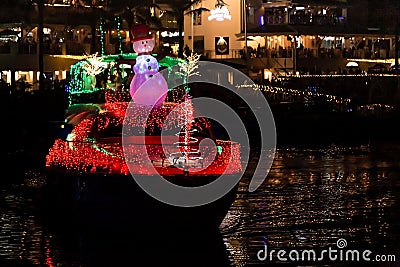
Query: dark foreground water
(312, 197)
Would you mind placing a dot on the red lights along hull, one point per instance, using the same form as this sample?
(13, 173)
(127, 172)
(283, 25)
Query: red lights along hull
(149, 159)
(95, 146)
(92, 181)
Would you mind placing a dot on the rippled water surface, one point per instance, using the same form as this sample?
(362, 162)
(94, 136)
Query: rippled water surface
(311, 198)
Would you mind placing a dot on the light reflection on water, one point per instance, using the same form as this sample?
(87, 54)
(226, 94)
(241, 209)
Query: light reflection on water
(313, 197)
(21, 236)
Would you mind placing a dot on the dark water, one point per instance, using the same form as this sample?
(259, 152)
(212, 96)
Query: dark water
(312, 197)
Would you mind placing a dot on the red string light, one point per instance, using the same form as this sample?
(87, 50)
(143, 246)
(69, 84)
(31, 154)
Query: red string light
(90, 148)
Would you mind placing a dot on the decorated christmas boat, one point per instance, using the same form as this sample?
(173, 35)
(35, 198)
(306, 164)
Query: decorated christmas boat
(94, 145)
(127, 134)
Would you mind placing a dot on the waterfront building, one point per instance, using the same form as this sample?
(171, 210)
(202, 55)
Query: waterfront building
(283, 36)
(291, 36)
(67, 37)
(72, 30)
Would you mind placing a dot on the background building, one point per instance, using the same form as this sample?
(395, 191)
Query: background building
(298, 35)
(283, 36)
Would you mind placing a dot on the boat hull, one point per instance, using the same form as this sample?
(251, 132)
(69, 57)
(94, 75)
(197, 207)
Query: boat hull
(117, 202)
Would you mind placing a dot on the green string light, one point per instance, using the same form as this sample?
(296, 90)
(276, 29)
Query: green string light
(118, 21)
(102, 33)
(77, 79)
(78, 89)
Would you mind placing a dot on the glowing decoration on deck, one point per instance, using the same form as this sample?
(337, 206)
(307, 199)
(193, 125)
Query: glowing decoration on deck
(188, 153)
(81, 90)
(95, 147)
(219, 150)
(148, 86)
(188, 68)
(93, 65)
(90, 148)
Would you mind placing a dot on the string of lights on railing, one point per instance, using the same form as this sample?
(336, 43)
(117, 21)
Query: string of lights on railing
(295, 93)
(376, 107)
(340, 75)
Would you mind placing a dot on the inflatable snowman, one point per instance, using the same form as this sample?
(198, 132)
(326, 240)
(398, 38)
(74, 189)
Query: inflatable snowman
(148, 86)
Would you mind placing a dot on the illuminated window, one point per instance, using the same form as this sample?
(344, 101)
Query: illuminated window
(197, 17)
